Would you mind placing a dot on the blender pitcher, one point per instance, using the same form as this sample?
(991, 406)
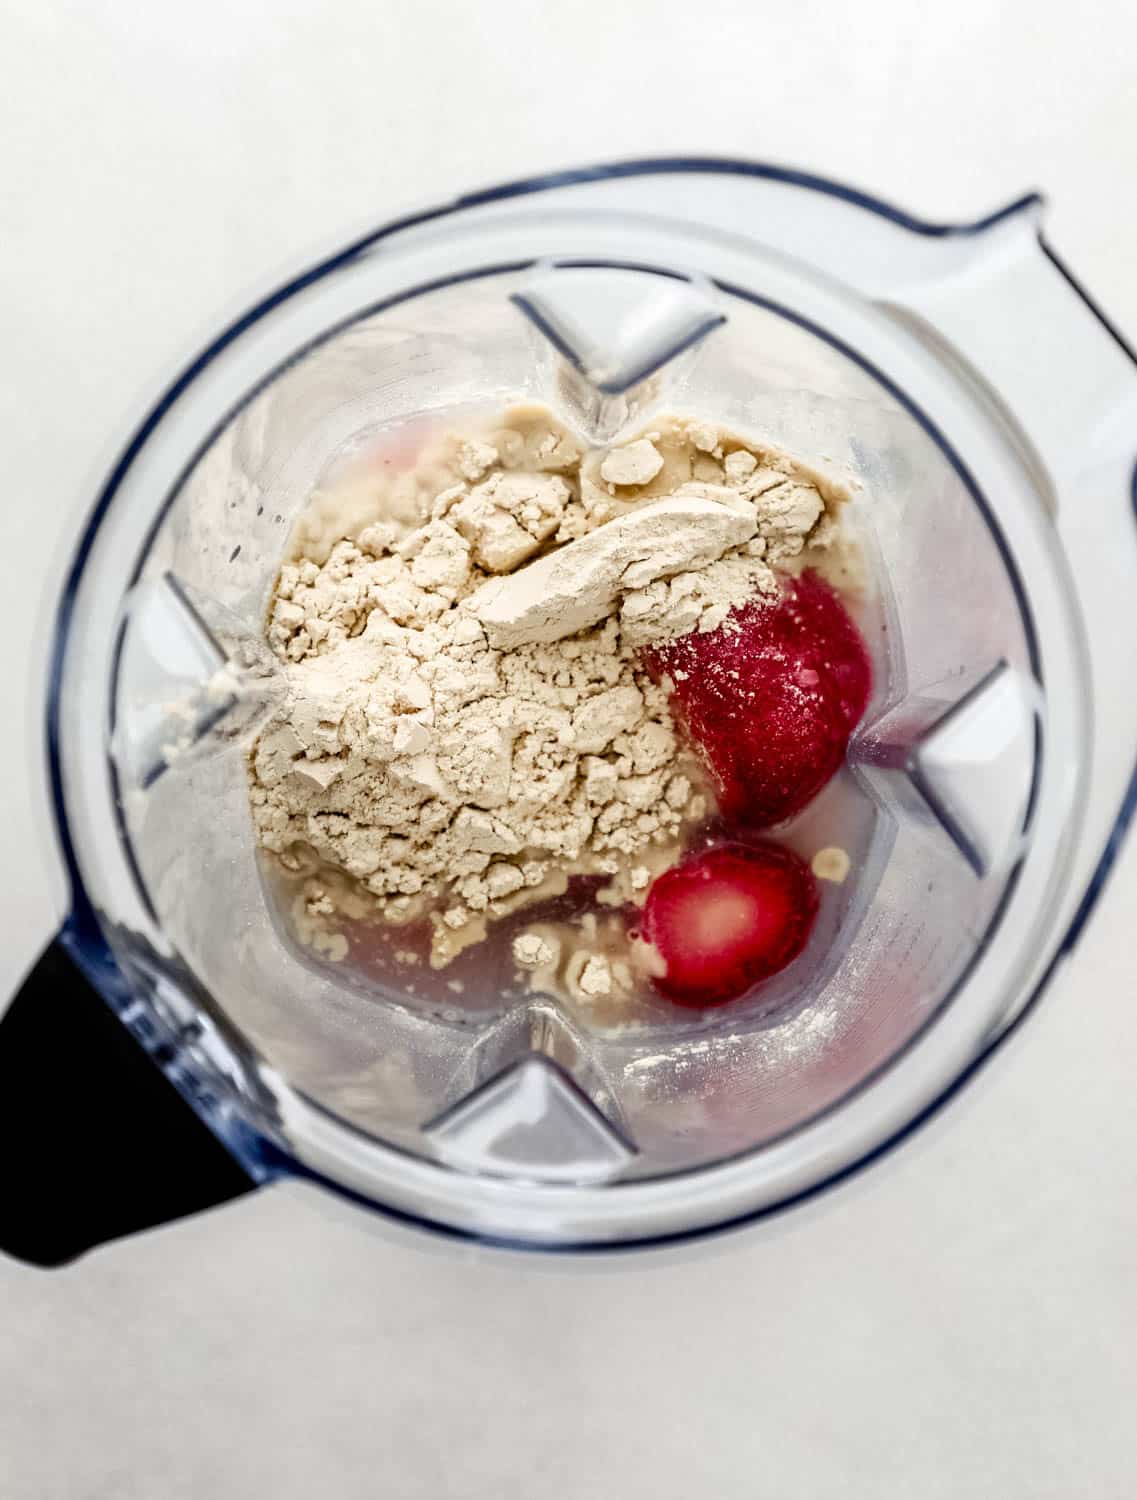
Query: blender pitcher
(988, 412)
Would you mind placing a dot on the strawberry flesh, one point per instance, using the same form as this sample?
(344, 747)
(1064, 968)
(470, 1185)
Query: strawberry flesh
(727, 917)
(770, 698)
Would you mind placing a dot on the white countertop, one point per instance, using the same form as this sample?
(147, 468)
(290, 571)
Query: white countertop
(956, 1322)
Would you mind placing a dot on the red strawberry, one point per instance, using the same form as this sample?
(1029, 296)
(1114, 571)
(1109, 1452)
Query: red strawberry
(771, 697)
(726, 918)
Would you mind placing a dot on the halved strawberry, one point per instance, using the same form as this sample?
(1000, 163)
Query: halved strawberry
(770, 698)
(727, 917)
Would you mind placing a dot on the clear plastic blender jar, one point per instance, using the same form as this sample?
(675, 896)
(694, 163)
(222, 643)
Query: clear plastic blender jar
(989, 414)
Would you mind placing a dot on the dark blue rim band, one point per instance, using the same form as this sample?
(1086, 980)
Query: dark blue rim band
(263, 1158)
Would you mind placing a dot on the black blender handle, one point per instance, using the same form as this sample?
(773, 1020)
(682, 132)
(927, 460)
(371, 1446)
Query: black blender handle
(94, 1142)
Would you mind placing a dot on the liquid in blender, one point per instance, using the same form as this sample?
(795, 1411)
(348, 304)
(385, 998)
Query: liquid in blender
(752, 866)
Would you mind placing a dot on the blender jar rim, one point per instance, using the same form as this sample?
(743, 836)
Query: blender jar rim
(513, 190)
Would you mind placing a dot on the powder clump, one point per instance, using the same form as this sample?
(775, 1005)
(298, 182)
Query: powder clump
(467, 719)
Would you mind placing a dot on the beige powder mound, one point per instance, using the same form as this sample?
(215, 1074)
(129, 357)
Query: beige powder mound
(448, 739)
